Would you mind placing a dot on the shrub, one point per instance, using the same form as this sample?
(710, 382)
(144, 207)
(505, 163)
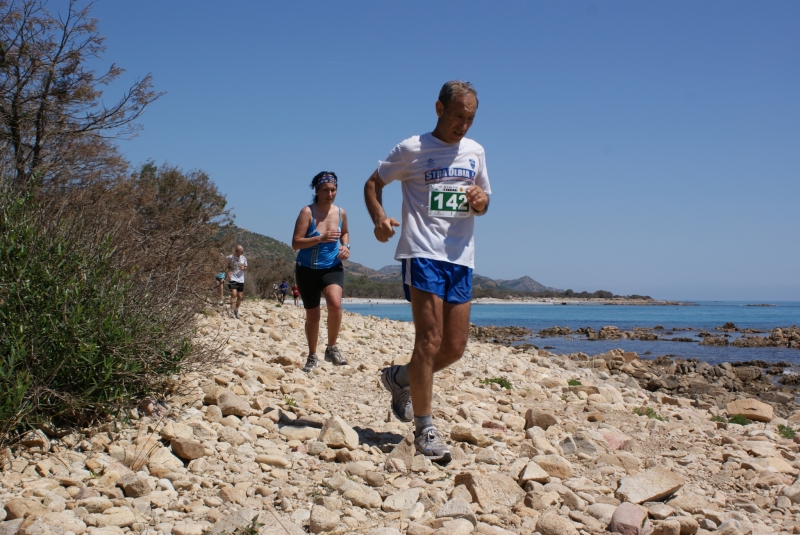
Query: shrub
(718, 418)
(97, 300)
(738, 419)
(574, 382)
(502, 381)
(649, 412)
(786, 432)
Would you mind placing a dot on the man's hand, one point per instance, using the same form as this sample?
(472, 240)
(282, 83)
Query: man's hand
(384, 229)
(477, 198)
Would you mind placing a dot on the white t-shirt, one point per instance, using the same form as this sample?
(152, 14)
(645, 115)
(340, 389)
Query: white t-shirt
(235, 264)
(418, 162)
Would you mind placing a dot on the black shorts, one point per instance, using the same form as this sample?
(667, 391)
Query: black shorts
(311, 281)
(238, 286)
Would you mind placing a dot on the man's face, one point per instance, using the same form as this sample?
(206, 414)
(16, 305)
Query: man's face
(456, 118)
(327, 192)
(239, 251)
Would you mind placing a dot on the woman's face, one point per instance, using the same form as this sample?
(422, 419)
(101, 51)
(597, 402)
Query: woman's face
(326, 193)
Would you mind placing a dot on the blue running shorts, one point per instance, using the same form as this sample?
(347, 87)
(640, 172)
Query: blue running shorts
(451, 282)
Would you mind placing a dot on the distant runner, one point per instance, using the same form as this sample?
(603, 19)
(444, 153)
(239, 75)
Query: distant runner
(319, 229)
(296, 294)
(444, 183)
(283, 287)
(235, 267)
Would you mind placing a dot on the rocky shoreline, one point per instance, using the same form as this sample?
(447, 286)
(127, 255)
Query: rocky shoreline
(542, 443)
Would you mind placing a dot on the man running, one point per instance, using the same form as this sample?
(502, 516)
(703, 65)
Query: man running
(444, 183)
(284, 287)
(236, 266)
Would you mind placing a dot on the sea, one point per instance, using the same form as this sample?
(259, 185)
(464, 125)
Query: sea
(701, 315)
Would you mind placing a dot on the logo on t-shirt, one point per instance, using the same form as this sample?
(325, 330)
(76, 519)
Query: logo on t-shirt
(472, 163)
(449, 173)
(431, 163)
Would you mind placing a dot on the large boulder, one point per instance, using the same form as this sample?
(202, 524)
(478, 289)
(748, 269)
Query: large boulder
(493, 491)
(630, 519)
(752, 409)
(229, 403)
(538, 418)
(651, 485)
(336, 433)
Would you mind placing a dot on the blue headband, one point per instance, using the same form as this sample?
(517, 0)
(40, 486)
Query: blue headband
(328, 178)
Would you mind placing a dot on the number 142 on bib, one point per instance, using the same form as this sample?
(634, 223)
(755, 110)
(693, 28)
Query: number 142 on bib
(448, 201)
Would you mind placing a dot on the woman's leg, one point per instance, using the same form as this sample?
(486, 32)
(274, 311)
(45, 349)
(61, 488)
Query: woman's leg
(333, 299)
(312, 329)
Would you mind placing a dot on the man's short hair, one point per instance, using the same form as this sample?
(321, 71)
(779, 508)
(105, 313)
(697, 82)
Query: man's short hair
(454, 89)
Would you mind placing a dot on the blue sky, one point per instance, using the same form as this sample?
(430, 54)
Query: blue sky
(637, 147)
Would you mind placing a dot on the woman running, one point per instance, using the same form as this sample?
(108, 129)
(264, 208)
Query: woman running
(319, 229)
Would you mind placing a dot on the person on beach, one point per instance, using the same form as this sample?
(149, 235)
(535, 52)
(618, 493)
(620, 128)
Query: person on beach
(444, 184)
(296, 294)
(219, 282)
(275, 292)
(284, 287)
(236, 265)
(320, 228)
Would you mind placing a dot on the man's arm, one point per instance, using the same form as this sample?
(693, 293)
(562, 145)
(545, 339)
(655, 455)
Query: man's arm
(373, 197)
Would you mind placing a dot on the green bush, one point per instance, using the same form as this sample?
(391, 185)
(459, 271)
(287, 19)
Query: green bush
(786, 432)
(574, 382)
(79, 338)
(502, 381)
(738, 419)
(649, 412)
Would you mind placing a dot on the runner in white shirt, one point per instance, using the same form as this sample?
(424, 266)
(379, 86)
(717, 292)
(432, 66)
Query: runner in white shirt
(236, 266)
(445, 183)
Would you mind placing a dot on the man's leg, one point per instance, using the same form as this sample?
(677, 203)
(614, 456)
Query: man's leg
(441, 337)
(239, 300)
(233, 301)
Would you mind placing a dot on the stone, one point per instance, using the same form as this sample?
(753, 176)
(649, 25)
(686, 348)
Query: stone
(616, 441)
(538, 418)
(401, 501)
(279, 461)
(554, 465)
(187, 449)
(554, 524)
(533, 472)
(629, 519)
(659, 510)
(651, 485)
(457, 508)
(336, 433)
(273, 522)
(301, 433)
(591, 523)
(322, 519)
(116, 516)
(374, 479)
(134, 486)
(229, 403)
(458, 526)
(163, 458)
(689, 502)
(751, 409)
(24, 507)
(689, 525)
(11, 527)
(602, 512)
(369, 499)
(52, 523)
(183, 527)
(95, 504)
(670, 527)
(470, 435)
(493, 491)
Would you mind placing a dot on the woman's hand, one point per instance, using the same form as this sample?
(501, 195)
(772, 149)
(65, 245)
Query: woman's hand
(330, 235)
(344, 253)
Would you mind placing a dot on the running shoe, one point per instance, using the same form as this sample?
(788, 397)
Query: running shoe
(236, 313)
(311, 363)
(233, 314)
(430, 444)
(401, 395)
(332, 355)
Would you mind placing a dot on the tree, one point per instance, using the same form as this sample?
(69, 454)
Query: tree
(54, 126)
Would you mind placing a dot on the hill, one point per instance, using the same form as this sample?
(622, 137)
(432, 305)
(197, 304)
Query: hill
(363, 281)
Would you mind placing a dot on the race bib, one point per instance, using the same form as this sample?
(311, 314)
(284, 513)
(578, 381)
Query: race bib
(448, 201)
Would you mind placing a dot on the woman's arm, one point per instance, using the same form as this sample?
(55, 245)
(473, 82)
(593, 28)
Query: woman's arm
(344, 251)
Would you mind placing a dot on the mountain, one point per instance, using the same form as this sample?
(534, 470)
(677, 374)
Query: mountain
(260, 246)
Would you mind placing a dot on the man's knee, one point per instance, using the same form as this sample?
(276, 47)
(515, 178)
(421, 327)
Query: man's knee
(428, 341)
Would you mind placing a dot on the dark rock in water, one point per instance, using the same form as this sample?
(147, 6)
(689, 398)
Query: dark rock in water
(658, 328)
(791, 379)
(747, 373)
(555, 331)
(728, 328)
(714, 341)
(498, 335)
